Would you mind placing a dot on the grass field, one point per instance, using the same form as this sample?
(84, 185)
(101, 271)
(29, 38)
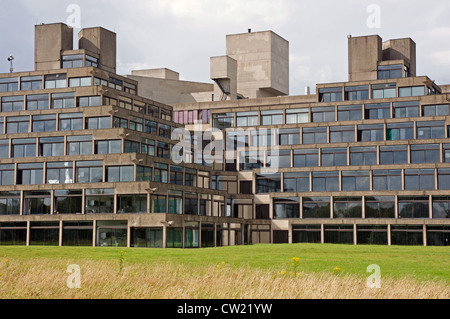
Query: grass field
(226, 272)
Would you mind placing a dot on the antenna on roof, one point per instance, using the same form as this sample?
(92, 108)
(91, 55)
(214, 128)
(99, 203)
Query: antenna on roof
(249, 30)
(11, 59)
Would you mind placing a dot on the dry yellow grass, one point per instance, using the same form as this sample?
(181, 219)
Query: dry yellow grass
(47, 279)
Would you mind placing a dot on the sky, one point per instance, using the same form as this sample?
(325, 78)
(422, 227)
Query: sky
(182, 35)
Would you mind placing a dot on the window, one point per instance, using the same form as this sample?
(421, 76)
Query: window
(129, 88)
(115, 84)
(63, 100)
(387, 180)
(4, 148)
(425, 153)
(223, 120)
(406, 109)
(60, 173)
(377, 111)
(37, 102)
(297, 116)
(51, 146)
(163, 150)
(23, 147)
(96, 123)
(164, 130)
(363, 156)
(355, 180)
(136, 124)
(119, 174)
(125, 102)
(147, 146)
(110, 101)
(28, 83)
(338, 234)
(6, 176)
(161, 173)
(70, 121)
(56, 81)
(143, 174)
(36, 203)
(153, 110)
(9, 84)
(431, 129)
(131, 204)
(316, 207)
(444, 178)
(441, 206)
(120, 123)
(86, 101)
(131, 147)
(166, 115)
(17, 124)
(306, 158)
(370, 132)
(384, 91)
(268, 183)
(29, 174)
(9, 204)
(150, 127)
(99, 201)
(98, 81)
(330, 94)
(342, 134)
(397, 154)
(296, 182)
(323, 114)
(68, 202)
(446, 150)
(251, 160)
(349, 112)
(353, 93)
(314, 135)
(419, 179)
(158, 204)
(190, 204)
(289, 136)
(246, 119)
(279, 158)
(272, 117)
(108, 147)
(347, 207)
(288, 207)
(79, 145)
(261, 138)
(236, 140)
(436, 110)
(2, 125)
(72, 61)
(89, 172)
(400, 131)
(325, 181)
(12, 103)
(334, 156)
(91, 61)
(176, 175)
(413, 207)
(380, 207)
(390, 71)
(190, 177)
(78, 82)
(44, 123)
(411, 91)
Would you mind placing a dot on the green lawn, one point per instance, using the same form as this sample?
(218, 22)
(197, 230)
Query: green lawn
(422, 263)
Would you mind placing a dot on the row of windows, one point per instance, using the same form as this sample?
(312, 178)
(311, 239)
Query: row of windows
(143, 125)
(343, 156)
(92, 172)
(352, 207)
(78, 61)
(101, 201)
(328, 114)
(57, 81)
(351, 181)
(374, 91)
(52, 122)
(337, 134)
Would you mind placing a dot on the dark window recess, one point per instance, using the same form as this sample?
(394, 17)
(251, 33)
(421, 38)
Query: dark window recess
(246, 187)
(280, 236)
(262, 212)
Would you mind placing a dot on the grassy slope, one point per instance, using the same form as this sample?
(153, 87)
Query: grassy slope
(422, 263)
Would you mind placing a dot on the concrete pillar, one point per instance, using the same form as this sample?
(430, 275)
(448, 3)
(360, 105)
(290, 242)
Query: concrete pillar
(425, 235)
(355, 235)
(60, 232)
(28, 233)
(164, 236)
(389, 235)
(322, 233)
(94, 233)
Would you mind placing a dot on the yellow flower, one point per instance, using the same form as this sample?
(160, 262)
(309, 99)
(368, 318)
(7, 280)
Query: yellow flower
(296, 259)
(218, 266)
(223, 263)
(283, 272)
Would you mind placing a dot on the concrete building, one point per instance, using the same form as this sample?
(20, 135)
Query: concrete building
(89, 157)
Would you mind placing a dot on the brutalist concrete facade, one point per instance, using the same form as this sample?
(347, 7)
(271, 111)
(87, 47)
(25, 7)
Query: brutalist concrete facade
(86, 158)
